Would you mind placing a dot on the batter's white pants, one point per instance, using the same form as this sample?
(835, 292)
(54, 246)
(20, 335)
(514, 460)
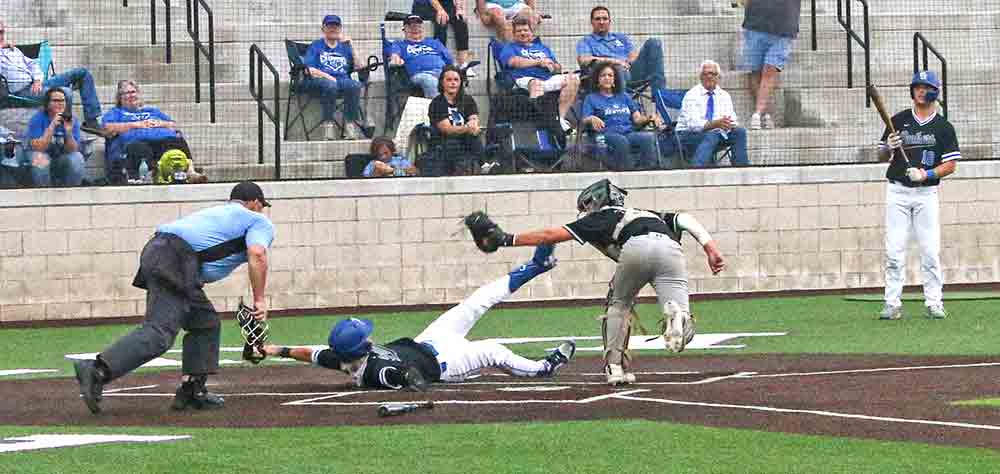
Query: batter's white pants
(916, 210)
(461, 358)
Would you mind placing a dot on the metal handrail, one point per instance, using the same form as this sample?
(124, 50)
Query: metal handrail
(257, 62)
(152, 25)
(814, 45)
(919, 39)
(865, 43)
(193, 27)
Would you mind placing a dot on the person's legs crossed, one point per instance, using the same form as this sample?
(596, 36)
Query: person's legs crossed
(649, 64)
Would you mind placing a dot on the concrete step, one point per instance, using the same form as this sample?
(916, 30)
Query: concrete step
(814, 106)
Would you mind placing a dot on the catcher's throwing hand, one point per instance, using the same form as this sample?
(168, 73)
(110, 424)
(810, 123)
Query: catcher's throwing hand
(715, 260)
(487, 234)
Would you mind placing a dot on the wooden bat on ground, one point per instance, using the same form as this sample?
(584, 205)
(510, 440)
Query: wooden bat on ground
(886, 118)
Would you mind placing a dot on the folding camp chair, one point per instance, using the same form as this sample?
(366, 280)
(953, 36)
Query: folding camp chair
(298, 72)
(40, 52)
(669, 140)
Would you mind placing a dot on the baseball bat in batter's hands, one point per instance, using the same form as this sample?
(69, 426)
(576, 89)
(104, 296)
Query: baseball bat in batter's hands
(884, 113)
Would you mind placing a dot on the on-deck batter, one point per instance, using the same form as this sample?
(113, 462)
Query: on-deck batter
(931, 150)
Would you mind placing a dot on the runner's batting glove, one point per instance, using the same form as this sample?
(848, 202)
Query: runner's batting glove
(916, 175)
(487, 234)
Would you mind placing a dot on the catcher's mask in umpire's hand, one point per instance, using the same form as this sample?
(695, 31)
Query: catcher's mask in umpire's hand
(600, 194)
(349, 338)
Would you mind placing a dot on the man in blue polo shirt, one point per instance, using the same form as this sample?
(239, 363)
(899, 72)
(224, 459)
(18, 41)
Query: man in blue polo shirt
(175, 264)
(424, 58)
(604, 45)
(331, 60)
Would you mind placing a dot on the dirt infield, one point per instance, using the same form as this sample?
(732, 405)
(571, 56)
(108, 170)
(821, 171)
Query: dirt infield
(878, 397)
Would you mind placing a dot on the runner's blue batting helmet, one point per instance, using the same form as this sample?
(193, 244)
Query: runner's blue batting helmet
(349, 338)
(927, 78)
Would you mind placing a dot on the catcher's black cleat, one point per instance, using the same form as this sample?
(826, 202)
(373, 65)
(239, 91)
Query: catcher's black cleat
(91, 384)
(193, 394)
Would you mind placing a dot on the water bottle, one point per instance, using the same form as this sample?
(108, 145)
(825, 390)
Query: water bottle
(600, 145)
(144, 174)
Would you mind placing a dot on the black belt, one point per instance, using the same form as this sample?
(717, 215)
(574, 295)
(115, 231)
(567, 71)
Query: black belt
(911, 185)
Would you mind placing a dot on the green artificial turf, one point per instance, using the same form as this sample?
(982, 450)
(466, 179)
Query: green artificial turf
(632, 446)
(986, 402)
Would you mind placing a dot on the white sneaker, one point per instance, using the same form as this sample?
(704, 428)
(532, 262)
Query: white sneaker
(936, 312)
(351, 131)
(329, 130)
(469, 71)
(566, 126)
(890, 313)
(755, 121)
(616, 375)
(677, 326)
(766, 121)
(487, 167)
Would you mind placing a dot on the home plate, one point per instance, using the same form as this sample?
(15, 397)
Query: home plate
(533, 389)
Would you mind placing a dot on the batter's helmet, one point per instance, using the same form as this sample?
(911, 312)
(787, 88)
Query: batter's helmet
(349, 338)
(927, 78)
(600, 194)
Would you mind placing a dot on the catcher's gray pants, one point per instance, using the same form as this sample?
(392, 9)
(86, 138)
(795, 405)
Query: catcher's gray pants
(167, 311)
(652, 258)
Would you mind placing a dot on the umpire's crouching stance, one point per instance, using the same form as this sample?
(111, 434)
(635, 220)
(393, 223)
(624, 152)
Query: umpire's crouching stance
(180, 258)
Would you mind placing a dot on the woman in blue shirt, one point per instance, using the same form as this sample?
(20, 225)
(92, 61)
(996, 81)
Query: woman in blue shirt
(54, 136)
(611, 113)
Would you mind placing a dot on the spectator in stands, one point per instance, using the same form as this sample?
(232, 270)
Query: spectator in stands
(444, 13)
(769, 31)
(617, 48)
(498, 15)
(331, 61)
(138, 132)
(534, 68)
(612, 114)
(24, 78)
(454, 119)
(424, 58)
(54, 136)
(386, 162)
(708, 120)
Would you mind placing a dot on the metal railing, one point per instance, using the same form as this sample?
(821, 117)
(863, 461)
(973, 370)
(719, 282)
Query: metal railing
(920, 40)
(194, 29)
(865, 43)
(152, 26)
(813, 19)
(257, 62)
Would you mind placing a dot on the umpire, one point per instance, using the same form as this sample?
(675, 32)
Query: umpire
(182, 256)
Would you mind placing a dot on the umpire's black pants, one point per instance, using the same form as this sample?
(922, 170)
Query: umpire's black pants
(167, 311)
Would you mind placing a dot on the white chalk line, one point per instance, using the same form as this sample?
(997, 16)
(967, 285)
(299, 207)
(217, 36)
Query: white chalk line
(831, 414)
(317, 401)
(883, 369)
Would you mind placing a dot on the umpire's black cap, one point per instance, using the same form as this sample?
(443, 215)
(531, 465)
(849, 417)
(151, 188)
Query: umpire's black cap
(248, 191)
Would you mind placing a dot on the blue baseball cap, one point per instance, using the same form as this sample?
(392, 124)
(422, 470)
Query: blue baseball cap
(349, 338)
(332, 20)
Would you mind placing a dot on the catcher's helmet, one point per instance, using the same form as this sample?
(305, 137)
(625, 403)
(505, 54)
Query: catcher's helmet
(349, 338)
(927, 78)
(600, 194)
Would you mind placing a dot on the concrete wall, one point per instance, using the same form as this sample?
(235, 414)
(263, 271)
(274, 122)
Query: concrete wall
(71, 253)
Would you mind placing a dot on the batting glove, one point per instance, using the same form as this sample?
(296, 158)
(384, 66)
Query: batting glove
(916, 175)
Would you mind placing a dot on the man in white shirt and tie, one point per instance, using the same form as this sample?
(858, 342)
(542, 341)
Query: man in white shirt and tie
(707, 120)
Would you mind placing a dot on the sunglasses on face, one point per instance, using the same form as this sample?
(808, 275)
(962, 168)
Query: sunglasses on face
(710, 74)
(57, 101)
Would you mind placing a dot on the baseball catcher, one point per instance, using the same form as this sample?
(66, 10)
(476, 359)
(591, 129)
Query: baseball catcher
(441, 353)
(646, 246)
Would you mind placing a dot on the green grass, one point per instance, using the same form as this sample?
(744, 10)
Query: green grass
(986, 402)
(631, 446)
(826, 324)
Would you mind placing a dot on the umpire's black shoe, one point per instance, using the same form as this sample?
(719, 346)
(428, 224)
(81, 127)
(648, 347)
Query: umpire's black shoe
(91, 384)
(193, 394)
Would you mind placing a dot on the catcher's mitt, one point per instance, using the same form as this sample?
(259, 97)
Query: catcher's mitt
(254, 334)
(486, 233)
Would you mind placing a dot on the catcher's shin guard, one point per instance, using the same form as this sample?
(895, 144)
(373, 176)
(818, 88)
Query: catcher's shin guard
(615, 330)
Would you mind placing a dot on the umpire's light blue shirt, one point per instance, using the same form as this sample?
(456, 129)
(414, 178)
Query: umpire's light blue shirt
(611, 45)
(218, 226)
